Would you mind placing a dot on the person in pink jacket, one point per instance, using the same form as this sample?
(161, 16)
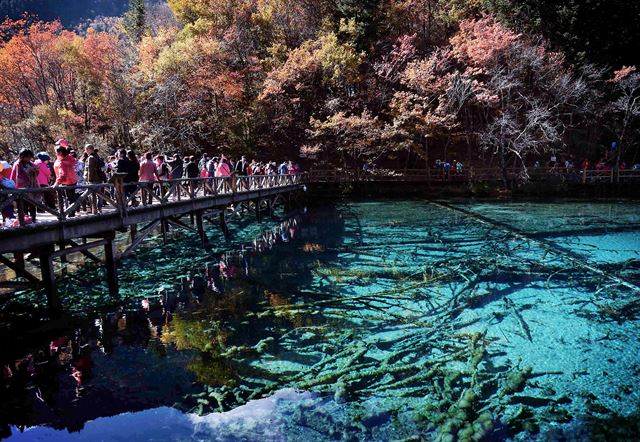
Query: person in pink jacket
(148, 168)
(65, 169)
(44, 172)
(147, 174)
(44, 178)
(223, 169)
(24, 174)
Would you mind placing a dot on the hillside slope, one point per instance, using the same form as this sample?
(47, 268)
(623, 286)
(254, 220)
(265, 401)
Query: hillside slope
(70, 12)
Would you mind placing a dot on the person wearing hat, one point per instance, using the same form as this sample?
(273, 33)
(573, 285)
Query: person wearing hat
(5, 170)
(7, 211)
(62, 142)
(65, 169)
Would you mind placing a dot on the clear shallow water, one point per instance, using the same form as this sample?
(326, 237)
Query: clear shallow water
(367, 321)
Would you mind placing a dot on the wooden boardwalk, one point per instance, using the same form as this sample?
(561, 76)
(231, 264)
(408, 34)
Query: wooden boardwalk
(122, 207)
(439, 176)
(86, 217)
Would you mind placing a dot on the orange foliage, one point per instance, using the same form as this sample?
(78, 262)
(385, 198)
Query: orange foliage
(480, 41)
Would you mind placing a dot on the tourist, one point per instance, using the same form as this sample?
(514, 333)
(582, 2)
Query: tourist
(93, 174)
(162, 169)
(111, 165)
(147, 175)
(65, 169)
(44, 178)
(283, 169)
(241, 166)
(192, 169)
(202, 165)
(223, 169)
(446, 167)
(568, 165)
(459, 167)
(6, 183)
(5, 169)
(79, 167)
(212, 166)
(585, 164)
(147, 168)
(133, 175)
(177, 168)
(24, 174)
(129, 169)
(93, 169)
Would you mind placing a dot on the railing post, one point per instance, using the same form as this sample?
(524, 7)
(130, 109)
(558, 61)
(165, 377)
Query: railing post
(111, 265)
(20, 204)
(118, 184)
(49, 278)
(60, 195)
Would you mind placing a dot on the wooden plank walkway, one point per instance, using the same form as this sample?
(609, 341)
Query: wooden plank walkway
(436, 176)
(171, 199)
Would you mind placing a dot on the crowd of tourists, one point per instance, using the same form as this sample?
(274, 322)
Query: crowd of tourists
(89, 167)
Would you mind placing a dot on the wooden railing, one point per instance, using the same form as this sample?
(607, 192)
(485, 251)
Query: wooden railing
(471, 175)
(64, 202)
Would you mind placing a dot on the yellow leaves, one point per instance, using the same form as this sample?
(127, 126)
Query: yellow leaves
(349, 27)
(454, 11)
(339, 61)
(188, 11)
(333, 62)
(218, 13)
(179, 56)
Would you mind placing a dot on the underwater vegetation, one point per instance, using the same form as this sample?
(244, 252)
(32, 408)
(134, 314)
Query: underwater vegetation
(420, 320)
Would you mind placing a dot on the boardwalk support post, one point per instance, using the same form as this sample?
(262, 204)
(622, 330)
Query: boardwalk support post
(200, 228)
(49, 277)
(164, 228)
(223, 225)
(258, 214)
(110, 264)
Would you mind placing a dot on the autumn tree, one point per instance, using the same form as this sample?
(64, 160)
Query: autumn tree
(312, 80)
(55, 83)
(623, 111)
(528, 97)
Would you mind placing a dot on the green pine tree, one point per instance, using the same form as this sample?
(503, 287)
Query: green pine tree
(135, 19)
(364, 13)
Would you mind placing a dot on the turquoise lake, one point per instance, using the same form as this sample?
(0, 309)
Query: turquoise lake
(361, 321)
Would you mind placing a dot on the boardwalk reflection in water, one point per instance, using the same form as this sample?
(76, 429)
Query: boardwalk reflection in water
(121, 361)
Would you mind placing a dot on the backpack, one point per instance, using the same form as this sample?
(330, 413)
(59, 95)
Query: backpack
(6, 183)
(102, 169)
(211, 168)
(164, 171)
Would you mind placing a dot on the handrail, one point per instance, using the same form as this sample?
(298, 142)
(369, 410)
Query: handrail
(468, 174)
(64, 201)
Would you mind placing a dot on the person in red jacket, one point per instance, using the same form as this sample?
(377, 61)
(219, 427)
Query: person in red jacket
(65, 169)
(24, 174)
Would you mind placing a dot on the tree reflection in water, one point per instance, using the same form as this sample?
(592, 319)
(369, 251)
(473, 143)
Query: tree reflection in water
(404, 319)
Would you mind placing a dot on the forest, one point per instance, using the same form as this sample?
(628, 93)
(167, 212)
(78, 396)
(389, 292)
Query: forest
(398, 82)
(69, 12)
